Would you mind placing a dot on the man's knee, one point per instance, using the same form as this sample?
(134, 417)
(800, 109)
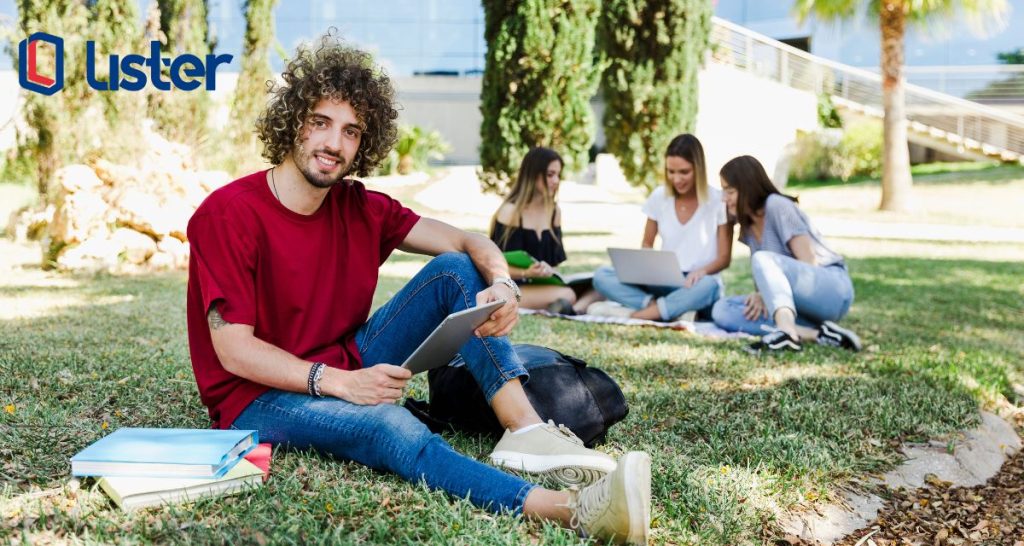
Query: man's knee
(397, 422)
(394, 429)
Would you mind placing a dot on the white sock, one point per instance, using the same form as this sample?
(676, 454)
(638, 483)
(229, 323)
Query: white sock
(528, 428)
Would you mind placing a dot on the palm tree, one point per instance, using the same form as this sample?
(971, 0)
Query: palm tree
(893, 16)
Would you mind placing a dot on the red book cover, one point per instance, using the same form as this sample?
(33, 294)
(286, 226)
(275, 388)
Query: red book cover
(260, 456)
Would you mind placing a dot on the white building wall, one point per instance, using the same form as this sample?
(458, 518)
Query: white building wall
(738, 114)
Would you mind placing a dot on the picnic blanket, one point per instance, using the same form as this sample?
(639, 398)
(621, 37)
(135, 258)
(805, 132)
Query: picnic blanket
(707, 329)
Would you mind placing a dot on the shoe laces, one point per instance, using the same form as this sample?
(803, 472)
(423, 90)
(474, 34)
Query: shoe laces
(563, 431)
(588, 504)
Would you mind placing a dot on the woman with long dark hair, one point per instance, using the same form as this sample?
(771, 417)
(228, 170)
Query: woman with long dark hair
(689, 217)
(802, 286)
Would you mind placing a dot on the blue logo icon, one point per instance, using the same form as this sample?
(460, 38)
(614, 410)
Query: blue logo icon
(29, 75)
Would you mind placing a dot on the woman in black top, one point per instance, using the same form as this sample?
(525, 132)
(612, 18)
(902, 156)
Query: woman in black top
(529, 220)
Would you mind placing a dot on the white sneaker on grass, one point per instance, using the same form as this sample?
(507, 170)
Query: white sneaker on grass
(609, 309)
(618, 506)
(554, 453)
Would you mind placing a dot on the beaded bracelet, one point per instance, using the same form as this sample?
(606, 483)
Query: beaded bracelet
(316, 380)
(313, 381)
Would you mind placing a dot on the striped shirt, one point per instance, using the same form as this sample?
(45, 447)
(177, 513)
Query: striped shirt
(783, 220)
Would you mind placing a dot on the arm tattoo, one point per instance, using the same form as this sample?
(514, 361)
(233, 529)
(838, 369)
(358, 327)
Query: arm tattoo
(216, 321)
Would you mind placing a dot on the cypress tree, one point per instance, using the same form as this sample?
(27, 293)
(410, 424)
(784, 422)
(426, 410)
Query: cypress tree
(251, 92)
(653, 50)
(538, 79)
(182, 115)
(63, 127)
(116, 29)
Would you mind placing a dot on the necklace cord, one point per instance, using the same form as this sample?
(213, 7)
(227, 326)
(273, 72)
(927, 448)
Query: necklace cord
(274, 184)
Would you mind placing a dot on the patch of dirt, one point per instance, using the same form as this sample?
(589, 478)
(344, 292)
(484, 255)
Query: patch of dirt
(938, 514)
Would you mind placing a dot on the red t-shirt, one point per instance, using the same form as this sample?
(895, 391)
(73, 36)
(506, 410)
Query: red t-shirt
(304, 283)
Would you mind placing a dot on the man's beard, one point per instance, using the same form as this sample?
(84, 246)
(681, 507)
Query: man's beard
(317, 179)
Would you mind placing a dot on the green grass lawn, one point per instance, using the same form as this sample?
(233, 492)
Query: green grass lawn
(733, 438)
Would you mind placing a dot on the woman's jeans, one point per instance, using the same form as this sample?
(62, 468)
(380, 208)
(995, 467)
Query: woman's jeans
(814, 293)
(671, 301)
(387, 436)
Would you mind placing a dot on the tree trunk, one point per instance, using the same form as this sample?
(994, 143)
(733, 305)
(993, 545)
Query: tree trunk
(896, 179)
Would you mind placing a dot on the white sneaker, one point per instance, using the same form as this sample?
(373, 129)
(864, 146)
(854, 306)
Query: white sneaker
(618, 507)
(609, 309)
(553, 452)
(688, 316)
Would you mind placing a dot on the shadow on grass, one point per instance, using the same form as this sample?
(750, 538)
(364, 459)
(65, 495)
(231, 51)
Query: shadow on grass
(730, 434)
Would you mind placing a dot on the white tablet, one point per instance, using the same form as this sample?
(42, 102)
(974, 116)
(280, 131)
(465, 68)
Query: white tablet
(445, 341)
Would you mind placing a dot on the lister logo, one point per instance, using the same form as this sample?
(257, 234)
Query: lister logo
(29, 74)
(128, 73)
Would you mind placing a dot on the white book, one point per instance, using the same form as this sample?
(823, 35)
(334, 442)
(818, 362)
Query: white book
(132, 492)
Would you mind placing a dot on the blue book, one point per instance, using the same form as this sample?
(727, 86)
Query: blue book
(164, 452)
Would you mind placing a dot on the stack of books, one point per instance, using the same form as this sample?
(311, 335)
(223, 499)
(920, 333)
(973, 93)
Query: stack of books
(140, 467)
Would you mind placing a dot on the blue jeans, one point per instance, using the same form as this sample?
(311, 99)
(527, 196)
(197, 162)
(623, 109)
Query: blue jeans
(671, 301)
(815, 294)
(386, 436)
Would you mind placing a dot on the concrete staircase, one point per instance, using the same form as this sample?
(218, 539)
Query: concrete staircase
(936, 120)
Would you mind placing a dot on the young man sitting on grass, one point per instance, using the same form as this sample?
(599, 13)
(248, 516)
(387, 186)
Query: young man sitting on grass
(283, 269)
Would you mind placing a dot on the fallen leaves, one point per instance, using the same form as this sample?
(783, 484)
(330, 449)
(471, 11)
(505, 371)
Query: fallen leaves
(938, 514)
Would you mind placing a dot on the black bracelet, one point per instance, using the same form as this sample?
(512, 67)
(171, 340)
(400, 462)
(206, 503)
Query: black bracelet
(315, 371)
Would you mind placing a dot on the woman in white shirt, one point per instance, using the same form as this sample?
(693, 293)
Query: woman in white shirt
(690, 218)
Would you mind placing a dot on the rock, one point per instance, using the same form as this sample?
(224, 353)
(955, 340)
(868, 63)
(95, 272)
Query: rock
(832, 522)
(77, 178)
(973, 460)
(136, 247)
(162, 154)
(145, 213)
(95, 254)
(79, 216)
(177, 250)
(212, 180)
(161, 260)
(26, 224)
(984, 449)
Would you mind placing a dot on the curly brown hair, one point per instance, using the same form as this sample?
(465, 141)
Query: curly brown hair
(330, 69)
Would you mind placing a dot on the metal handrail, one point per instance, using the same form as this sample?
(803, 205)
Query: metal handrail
(971, 122)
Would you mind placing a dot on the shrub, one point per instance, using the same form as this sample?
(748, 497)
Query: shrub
(251, 92)
(653, 50)
(832, 153)
(538, 79)
(828, 115)
(860, 152)
(814, 153)
(415, 148)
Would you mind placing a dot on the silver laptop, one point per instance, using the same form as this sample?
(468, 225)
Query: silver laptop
(445, 341)
(646, 266)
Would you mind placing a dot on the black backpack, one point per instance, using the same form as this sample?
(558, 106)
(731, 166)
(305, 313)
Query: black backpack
(561, 388)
